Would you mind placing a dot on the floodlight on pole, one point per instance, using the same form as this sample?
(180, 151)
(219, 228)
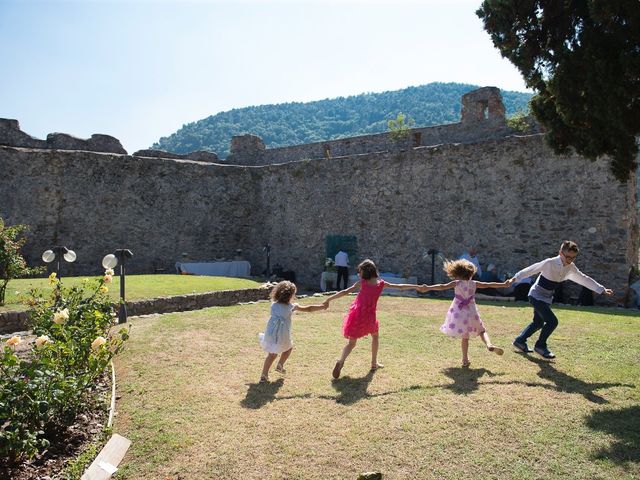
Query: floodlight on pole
(56, 253)
(111, 261)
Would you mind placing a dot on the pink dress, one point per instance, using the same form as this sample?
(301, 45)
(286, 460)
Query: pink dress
(361, 319)
(462, 319)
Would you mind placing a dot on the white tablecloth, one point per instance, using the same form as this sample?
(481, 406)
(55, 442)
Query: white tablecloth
(239, 268)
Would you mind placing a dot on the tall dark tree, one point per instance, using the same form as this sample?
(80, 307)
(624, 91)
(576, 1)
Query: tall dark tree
(582, 57)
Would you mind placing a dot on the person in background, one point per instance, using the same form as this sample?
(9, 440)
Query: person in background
(471, 255)
(342, 266)
(490, 274)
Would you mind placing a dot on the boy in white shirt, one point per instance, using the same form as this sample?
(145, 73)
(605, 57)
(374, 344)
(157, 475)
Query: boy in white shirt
(552, 271)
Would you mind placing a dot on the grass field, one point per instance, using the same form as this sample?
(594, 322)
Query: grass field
(193, 408)
(137, 286)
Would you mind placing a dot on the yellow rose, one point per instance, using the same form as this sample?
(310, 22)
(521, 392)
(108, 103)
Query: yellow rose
(13, 341)
(109, 271)
(42, 340)
(98, 342)
(103, 289)
(61, 316)
(53, 278)
(108, 278)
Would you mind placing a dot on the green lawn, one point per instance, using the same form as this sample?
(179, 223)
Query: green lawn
(137, 286)
(191, 404)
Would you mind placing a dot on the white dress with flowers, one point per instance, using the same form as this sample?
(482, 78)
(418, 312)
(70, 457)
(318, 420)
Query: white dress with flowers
(277, 335)
(463, 320)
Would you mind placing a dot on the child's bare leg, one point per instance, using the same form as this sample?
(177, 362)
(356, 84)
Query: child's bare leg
(283, 358)
(465, 352)
(267, 365)
(374, 352)
(491, 347)
(351, 344)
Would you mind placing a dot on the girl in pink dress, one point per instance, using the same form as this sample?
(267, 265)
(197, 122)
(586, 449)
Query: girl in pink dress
(361, 319)
(462, 320)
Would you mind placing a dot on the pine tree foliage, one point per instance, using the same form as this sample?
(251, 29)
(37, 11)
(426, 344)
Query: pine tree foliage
(582, 58)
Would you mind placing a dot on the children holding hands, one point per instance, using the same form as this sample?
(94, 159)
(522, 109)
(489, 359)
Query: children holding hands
(462, 318)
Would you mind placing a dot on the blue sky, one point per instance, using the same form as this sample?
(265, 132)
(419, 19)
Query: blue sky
(139, 70)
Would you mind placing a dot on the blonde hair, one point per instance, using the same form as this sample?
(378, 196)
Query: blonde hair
(283, 292)
(367, 269)
(459, 269)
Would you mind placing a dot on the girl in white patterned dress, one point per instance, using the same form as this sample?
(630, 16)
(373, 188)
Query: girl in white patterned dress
(276, 338)
(462, 320)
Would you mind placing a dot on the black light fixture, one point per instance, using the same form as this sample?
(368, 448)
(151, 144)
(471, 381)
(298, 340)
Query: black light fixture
(267, 248)
(110, 261)
(56, 253)
(433, 252)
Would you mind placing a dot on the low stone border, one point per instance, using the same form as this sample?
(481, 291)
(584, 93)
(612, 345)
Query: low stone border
(15, 321)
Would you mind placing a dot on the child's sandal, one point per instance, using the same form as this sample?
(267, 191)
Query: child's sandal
(337, 368)
(377, 366)
(264, 379)
(466, 364)
(496, 350)
(280, 369)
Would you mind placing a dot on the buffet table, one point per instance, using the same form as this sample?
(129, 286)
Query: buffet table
(238, 268)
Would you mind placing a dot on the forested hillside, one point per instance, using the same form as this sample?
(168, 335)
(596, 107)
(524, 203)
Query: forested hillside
(295, 123)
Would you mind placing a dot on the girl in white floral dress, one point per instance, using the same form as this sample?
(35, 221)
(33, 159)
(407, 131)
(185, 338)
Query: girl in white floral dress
(462, 320)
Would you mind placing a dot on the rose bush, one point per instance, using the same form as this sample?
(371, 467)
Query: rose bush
(42, 391)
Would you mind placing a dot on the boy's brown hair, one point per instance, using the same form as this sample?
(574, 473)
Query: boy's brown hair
(459, 269)
(569, 246)
(367, 269)
(283, 292)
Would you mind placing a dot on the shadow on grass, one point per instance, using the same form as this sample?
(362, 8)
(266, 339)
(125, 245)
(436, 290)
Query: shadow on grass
(351, 390)
(465, 379)
(568, 384)
(259, 394)
(624, 424)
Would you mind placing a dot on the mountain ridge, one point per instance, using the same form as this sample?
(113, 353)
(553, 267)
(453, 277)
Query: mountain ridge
(294, 123)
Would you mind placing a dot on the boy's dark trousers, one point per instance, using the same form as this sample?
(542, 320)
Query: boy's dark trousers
(543, 318)
(342, 272)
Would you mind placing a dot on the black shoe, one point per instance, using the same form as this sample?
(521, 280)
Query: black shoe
(545, 352)
(522, 346)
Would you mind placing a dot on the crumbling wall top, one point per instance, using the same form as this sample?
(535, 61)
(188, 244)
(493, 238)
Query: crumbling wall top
(11, 135)
(483, 104)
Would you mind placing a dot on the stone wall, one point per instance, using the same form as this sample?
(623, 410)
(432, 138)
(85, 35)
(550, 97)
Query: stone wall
(95, 203)
(453, 133)
(512, 197)
(445, 188)
(11, 135)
